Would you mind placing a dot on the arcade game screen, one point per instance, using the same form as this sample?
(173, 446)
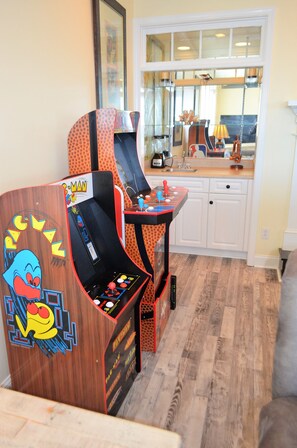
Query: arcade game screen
(128, 165)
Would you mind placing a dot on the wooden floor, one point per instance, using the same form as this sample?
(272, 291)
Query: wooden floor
(212, 371)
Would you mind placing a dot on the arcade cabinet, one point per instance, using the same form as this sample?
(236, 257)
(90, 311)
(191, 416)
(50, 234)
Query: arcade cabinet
(106, 139)
(70, 294)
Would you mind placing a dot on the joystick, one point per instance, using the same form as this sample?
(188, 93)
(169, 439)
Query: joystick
(141, 203)
(165, 188)
(112, 286)
(160, 195)
(112, 290)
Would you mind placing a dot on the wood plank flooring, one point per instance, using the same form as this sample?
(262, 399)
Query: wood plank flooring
(212, 371)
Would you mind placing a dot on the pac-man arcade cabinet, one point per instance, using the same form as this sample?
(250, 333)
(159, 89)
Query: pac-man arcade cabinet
(106, 139)
(70, 294)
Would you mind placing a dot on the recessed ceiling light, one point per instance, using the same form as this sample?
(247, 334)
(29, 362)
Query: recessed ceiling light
(242, 44)
(183, 48)
(220, 35)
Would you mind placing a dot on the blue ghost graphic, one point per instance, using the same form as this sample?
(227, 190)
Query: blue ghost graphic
(24, 275)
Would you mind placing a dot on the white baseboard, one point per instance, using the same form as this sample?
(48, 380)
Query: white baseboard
(6, 383)
(266, 261)
(260, 261)
(208, 252)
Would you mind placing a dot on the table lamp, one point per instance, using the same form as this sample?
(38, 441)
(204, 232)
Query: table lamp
(220, 132)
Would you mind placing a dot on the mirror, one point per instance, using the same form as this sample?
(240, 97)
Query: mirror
(188, 106)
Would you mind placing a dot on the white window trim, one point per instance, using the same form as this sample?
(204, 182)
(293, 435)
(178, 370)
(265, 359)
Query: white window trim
(219, 19)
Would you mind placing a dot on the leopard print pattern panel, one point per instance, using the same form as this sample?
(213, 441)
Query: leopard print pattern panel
(79, 155)
(105, 119)
(151, 329)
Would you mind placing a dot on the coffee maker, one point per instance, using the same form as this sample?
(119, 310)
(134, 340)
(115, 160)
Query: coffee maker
(161, 148)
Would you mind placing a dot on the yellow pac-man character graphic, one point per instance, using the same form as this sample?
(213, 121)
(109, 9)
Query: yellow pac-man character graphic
(40, 320)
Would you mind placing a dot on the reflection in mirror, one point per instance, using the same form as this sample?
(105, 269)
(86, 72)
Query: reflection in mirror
(237, 42)
(188, 106)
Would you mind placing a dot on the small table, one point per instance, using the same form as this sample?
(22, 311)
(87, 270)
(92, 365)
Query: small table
(26, 420)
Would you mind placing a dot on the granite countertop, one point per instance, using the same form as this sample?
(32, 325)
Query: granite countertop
(221, 169)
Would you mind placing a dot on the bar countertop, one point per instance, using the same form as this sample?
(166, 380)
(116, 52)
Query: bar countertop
(215, 168)
(204, 168)
(245, 173)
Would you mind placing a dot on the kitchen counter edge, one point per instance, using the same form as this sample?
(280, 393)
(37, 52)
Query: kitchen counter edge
(245, 173)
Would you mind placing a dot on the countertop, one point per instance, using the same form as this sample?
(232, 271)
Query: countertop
(245, 173)
(29, 421)
(205, 168)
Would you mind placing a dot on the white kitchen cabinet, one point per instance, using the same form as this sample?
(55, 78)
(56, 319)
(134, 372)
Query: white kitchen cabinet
(189, 227)
(214, 219)
(191, 223)
(227, 214)
(226, 221)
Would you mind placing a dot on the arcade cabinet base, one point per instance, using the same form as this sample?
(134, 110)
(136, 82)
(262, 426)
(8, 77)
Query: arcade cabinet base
(154, 316)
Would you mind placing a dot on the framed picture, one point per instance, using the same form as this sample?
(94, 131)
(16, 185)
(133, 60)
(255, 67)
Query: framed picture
(109, 22)
(177, 134)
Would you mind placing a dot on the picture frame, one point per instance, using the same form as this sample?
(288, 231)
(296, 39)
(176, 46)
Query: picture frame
(177, 134)
(109, 26)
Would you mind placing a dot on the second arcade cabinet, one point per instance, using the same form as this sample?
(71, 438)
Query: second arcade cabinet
(106, 139)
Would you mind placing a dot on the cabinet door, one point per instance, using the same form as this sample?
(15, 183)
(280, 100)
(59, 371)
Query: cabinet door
(226, 221)
(191, 223)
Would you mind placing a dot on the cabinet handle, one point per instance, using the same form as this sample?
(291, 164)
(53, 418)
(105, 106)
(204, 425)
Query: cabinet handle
(227, 186)
(211, 202)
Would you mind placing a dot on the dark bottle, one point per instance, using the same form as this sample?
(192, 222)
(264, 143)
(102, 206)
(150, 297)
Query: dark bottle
(158, 157)
(157, 160)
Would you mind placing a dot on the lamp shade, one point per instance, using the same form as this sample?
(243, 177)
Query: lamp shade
(220, 131)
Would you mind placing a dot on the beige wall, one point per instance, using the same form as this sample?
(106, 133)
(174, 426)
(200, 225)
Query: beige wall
(47, 82)
(128, 5)
(229, 101)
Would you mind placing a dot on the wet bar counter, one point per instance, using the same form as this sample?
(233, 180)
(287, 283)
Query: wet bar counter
(216, 218)
(204, 171)
(203, 168)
